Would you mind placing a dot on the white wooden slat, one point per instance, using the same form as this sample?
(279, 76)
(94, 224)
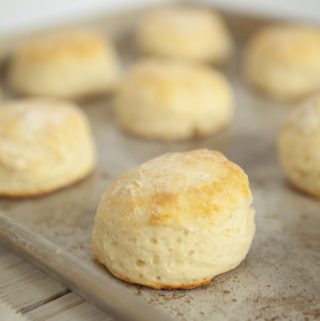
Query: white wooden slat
(22, 285)
(70, 307)
(31, 291)
(54, 307)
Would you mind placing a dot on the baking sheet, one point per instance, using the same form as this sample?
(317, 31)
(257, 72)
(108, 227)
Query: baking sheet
(279, 280)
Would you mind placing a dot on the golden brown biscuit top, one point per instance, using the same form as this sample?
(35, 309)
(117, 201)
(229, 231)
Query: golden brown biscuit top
(289, 43)
(179, 187)
(57, 45)
(166, 78)
(35, 115)
(184, 19)
(36, 131)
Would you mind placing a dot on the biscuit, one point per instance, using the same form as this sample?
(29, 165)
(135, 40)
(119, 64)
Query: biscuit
(73, 64)
(185, 33)
(171, 100)
(45, 144)
(298, 147)
(175, 221)
(283, 61)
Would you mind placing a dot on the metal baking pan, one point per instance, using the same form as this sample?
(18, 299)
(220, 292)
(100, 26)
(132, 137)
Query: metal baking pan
(279, 280)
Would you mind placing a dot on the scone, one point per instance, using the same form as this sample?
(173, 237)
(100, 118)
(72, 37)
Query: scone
(171, 100)
(284, 61)
(45, 144)
(185, 33)
(299, 147)
(176, 221)
(73, 64)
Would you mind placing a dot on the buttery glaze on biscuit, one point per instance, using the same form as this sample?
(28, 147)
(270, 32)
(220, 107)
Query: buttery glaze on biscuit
(73, 64)
(175, 221)
(45, 144)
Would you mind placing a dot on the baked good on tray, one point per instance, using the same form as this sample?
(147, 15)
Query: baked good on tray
(45, 144)
(69, 64)
(299, 147)
(173, 100)
(283, 61)
(175, 221)
(190, 33)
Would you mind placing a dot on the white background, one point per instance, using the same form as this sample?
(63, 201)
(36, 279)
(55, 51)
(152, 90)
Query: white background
(24, 15)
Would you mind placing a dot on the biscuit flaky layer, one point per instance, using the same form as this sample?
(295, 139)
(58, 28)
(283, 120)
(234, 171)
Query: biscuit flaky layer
(283, 61)
(45, 145)
(169, 100)
(298, 147)
(176, 221)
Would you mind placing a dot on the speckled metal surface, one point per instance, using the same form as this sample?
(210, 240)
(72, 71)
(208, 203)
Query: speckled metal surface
(279, 280)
